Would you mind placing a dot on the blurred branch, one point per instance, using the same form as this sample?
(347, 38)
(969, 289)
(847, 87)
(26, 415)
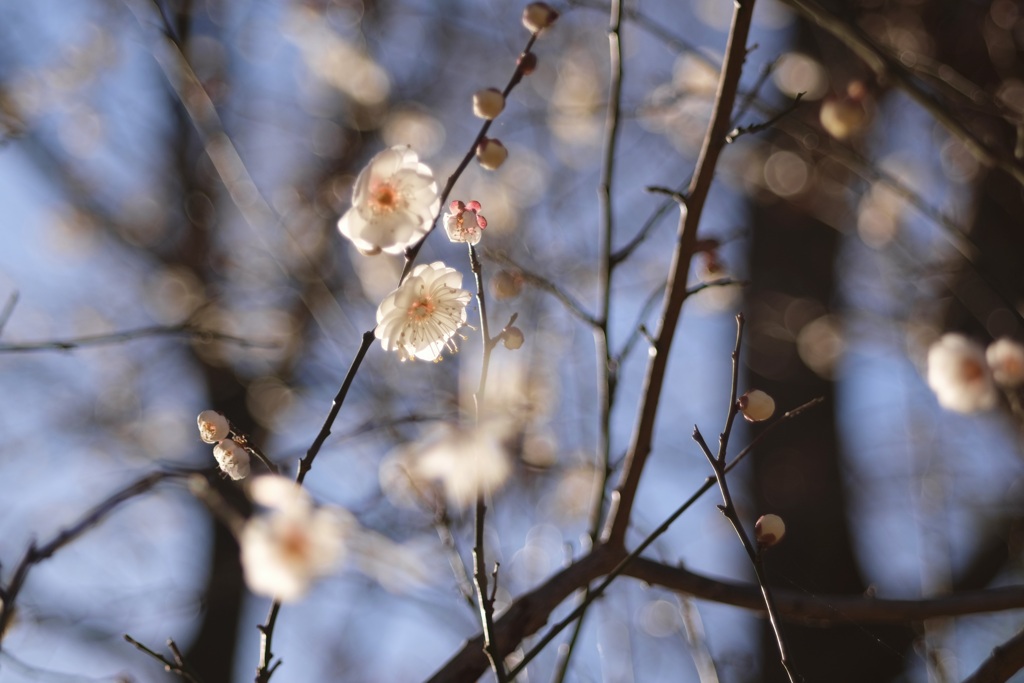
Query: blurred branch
(676, 293)
(178, 666)
(38, 553)
(889, 69)
(187, 330)
(8, 310)
(548, 286)
(1006, 660)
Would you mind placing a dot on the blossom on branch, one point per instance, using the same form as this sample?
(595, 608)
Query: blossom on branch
(959, 375)
(421, 317)
(213, 426)
(1006, 360)
(295, 542)
(394, 202)
(464, 223)
(233, 460)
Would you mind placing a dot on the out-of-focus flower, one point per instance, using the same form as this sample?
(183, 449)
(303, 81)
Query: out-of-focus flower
(293, 543)
(845, 116)
(769, 530)
(491, 154)
(232, 458)
(507, 284)
(756, 405)
(421, 317)
(465, 461)
(537, 16)
(1006, 360)
(464, 223)
(959, 375)
(394, 202)
(512, 338)
(213, 426)
(488, 103)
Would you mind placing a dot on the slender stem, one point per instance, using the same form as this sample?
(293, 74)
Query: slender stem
(676, 291)
(607, 368)
(35, 554)
(485, 600)
(186, 330)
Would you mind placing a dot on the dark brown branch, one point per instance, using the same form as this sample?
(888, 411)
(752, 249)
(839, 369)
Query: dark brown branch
(675, 295)
(187, 330)
(1005, 660)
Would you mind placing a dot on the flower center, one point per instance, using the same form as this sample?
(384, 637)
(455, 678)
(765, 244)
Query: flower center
(422, 309)
(972, 370)
(385, 198)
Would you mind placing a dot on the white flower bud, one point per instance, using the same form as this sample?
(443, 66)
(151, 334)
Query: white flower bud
(491, 154)
(213, 426)
(513, 338)
(232, 458)
(488, 103)
(756, 405)
(769, 530)
(538, 16)
(1006, 360)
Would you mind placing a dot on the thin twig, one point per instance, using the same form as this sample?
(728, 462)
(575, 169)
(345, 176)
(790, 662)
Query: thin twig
(513, 81)
(188, 330)
(545, 284)
(764, 125)
(1006, 660)
(35, 554)
(178, 666)
(485, 600)
(8, 310)
(889, 69)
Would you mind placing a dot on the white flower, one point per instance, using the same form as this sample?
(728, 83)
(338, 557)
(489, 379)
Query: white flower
(959, 376)
(1006, 360)
(284, 549)
(213, 426)
(464, 223)
(419, 319)
(466, 462)
(232, 458)
(394, 202)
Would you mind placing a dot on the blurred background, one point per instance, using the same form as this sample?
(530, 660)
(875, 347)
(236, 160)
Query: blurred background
(184, 162)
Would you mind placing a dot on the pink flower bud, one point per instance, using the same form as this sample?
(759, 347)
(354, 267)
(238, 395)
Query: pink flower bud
(491, 154)
(488, 103)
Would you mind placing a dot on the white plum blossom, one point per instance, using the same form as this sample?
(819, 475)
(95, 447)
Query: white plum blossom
(1006, 360)
(463, 222)
(466, 461)
(293, 543)
(213, 426)
(959, 375)
(232, 458)
(394, 202)
(420, 318)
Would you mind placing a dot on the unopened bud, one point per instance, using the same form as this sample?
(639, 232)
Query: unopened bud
(512, 337)
(538, 16)
(232, 458)
(527, 63)
(756, 405)
(506, 284)
(213, 426)
(842, 117)
(491, 154)
(769, 530)
(488, 103)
